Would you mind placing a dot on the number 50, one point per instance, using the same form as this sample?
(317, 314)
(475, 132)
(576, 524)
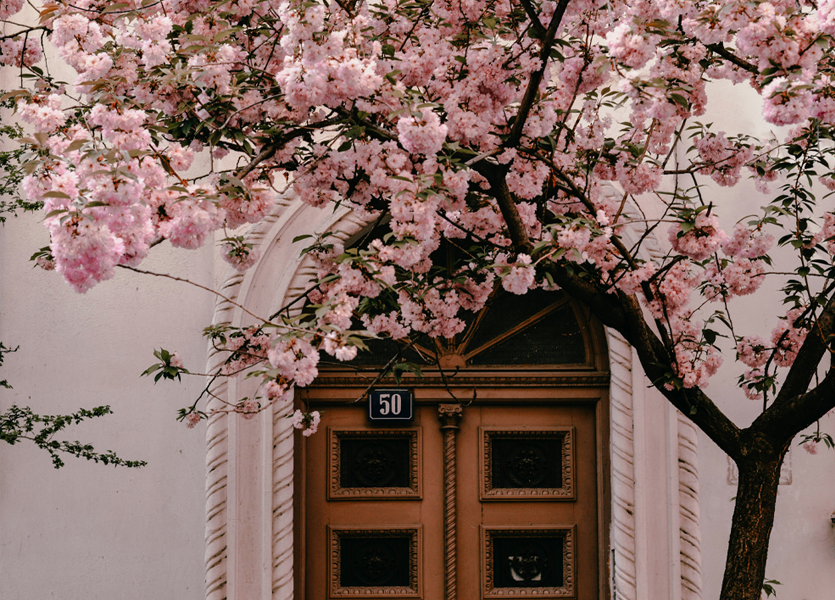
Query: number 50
(392, 406)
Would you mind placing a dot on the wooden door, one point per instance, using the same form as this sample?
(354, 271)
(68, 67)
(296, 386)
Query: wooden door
(525, 519)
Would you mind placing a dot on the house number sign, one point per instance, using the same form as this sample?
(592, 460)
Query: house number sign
(390, 405)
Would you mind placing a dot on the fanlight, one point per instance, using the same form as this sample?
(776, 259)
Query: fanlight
(539, 328)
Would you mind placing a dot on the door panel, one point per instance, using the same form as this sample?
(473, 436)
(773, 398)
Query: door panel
(526, 512)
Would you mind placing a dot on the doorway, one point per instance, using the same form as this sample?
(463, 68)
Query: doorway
(496, 489)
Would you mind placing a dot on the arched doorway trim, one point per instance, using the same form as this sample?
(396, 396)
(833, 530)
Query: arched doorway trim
(249, 481)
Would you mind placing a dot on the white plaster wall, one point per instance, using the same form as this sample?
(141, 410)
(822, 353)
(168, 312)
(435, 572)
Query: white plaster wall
(89, 531)
(802, 551)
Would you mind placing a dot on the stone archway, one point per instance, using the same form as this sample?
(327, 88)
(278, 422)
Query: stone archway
(249, 481)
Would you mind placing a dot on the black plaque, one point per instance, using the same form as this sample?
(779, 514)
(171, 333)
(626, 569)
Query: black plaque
(390, 405)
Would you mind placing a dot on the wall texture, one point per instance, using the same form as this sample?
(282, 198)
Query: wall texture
(89, 531)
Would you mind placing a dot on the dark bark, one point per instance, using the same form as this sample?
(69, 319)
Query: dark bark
(753, 520)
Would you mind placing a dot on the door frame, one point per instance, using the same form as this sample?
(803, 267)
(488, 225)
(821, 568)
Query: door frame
(651, 490)
(545, 388)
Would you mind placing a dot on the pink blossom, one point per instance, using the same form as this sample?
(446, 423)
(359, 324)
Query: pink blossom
(701, 240)
(277, 390)
(386, 323)
(787, 338)
(85, 253)
(629, 48)
(239, 254)
(44, 113)
(784, 104)
(192, 419)
(307, 422)
(338, 349)
(180, 157)
(422, 136)
(637, 180)
(520, 278)
(246, 350)
(47, 264)
(176, 361)
(9, 8)
(828, 232)
(810, 446)
(190, 222)
(752, 351)
(296, 360)
(736, 278)
(13, 52)
(248, 408)
(747, 243)
(723, 159)
(750, 379)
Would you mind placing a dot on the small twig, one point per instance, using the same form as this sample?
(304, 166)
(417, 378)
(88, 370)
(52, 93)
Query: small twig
(384, 371)
(202, 287)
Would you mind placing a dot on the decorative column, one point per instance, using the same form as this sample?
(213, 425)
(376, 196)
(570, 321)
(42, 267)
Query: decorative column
(450, 415)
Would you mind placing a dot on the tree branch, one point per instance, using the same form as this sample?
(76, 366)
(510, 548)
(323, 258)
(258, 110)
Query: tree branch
(809, 356)
(536, 24)
(624, 314)
(783, 422)
(794, 408)
(536, 76)
(719, 49)
(269, 150)
(496, 176)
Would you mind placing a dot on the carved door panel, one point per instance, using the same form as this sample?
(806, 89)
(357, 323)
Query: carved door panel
(528, 502)
(525, 516)
(373, 508)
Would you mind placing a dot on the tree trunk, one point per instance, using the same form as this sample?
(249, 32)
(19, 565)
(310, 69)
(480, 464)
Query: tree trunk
(756, 499)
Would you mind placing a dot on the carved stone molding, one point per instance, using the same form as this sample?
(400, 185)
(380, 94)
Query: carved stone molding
(490, 585)
(624, 572)
(621, 437)
(337, 535)
(688, 494)
(564, 436)
(281, 517)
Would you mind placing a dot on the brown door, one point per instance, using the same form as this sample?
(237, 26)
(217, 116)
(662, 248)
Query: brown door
(525, 519)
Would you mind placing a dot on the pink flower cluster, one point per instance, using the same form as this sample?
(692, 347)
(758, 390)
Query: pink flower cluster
(723, 160)
(17, 52)
(425, 135)
(307, 422)
(700, 239)
(239, 254)
(412, 125)
(520, 277)
(788, 337)
(247, 349)
(296, 360)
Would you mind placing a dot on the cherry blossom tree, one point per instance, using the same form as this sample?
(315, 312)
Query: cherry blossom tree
(497, 127)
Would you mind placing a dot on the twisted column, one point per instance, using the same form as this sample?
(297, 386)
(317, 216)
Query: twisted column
(450, 415)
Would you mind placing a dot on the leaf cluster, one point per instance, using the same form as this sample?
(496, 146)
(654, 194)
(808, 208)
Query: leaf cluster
(164, 369)
(21, 423)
